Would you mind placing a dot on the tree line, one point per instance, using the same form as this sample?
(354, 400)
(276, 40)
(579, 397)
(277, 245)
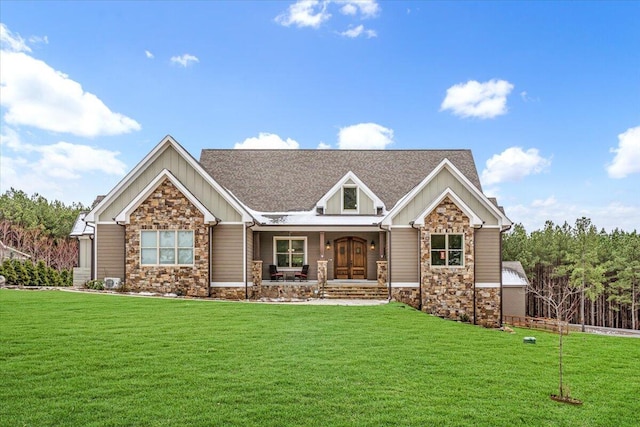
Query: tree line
(40, 228)
(603, 267)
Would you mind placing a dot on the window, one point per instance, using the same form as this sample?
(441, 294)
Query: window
(166, 247)
(349, 198)
(447, 249)
(290, 251)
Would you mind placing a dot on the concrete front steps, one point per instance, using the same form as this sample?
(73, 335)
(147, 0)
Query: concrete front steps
(353, 291)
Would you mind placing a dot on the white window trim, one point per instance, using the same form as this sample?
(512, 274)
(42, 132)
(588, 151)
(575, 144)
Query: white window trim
(350, 211)
(175, 248)
(446, 249)
(275, 252)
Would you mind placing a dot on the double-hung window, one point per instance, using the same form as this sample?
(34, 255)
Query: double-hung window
(166, 247)
(290, 252)
(447, 250)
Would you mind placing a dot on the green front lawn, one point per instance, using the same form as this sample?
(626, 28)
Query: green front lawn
(70, 359)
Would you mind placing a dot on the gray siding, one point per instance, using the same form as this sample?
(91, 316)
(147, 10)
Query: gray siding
(487, 255)
(110, 241)
(432, 190)
(404, 255)
(513, 301)
(249, 255)
(227, 254)
(171, 160)
(365, 203)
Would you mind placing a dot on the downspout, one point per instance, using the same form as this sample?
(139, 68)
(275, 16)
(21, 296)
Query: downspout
(412, 223)
(209, 250)
(246, 276)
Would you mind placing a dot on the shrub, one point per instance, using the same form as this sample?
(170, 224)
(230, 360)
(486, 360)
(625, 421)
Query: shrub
(98, 285)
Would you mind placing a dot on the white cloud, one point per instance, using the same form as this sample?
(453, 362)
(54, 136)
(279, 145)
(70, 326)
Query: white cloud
(348, 9)
(35, 94)
(305, 13)
(364, 136)
(358, 31)
(184, 60)
(38, 40)
(12, 42)
(627, 158)
(313, 13)
(323, 146)
(474, 99)
(367, 8)
(266, 140)
(544, 203)
(62, 159)
(513, 164)
(148, 54)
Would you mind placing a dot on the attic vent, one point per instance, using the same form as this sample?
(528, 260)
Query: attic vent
(379, 210)
(320, 210)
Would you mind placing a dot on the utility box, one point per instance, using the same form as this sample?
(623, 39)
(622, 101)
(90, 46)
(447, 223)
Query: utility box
(529, 340)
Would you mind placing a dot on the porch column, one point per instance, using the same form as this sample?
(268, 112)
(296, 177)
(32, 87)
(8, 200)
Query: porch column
(256, 273)
(322, 273)
(382, 273)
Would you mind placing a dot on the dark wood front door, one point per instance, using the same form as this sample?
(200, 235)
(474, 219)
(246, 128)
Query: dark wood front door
(351, 258)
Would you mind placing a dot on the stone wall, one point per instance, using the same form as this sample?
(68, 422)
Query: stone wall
(488, 307)
(288, 291)
(167, 209)
(228, 293)
(409, 296)
(447, 291)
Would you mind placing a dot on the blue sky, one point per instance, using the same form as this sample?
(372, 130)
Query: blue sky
(545, 94)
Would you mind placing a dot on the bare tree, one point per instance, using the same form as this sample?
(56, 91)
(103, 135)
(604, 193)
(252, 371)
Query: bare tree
(562, 298)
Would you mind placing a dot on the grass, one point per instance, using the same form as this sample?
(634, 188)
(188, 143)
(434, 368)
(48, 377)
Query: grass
(109, 360)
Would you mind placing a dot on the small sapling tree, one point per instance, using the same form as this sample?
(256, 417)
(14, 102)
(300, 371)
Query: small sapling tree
(562, 298)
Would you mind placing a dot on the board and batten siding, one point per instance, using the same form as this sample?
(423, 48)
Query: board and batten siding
(110, 242)
(227, 250)
(487, 255)
(365, 203)
(250, 243)
(173, 161)
(443, 180)
(405, 258)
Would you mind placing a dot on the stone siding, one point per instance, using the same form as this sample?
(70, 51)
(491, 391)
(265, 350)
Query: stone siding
(447, 291)
(167, 209)
(288, 291)
(409, 296)
(234, 293)
(488, 307)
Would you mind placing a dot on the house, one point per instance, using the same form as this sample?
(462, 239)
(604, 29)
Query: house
(412, 225)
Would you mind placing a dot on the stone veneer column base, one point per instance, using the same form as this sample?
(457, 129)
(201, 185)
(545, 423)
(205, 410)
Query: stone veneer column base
(488, 307)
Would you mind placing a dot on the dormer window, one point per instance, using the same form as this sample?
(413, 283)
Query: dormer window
(350, 199)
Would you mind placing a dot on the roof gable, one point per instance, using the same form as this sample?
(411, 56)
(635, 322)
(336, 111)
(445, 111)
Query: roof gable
(125, 214)
(164, 145)
(474, 219)
(503, 221)
(350, 179)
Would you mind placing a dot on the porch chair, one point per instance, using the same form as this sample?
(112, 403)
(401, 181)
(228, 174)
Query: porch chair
(275, 275)
(302, 275)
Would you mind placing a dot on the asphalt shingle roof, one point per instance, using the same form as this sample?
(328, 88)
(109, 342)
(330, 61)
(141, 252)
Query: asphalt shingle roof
(294, 180)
